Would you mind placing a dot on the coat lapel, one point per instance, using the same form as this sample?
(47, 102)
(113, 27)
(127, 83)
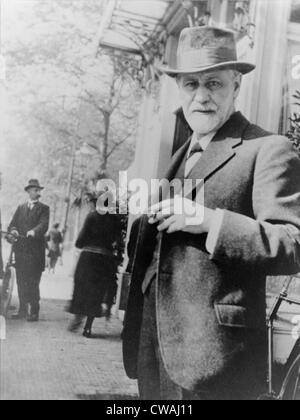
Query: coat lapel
(147, 232)
(162, 193)
(26, 211)
(215, 156)
(33, 213)
(36, 208)
(222, 147)
(177, 160)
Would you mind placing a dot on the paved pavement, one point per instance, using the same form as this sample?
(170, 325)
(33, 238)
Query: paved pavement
(46, 362)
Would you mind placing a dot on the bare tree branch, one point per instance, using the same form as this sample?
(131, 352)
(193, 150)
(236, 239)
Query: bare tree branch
(118, 144)
(93, 102)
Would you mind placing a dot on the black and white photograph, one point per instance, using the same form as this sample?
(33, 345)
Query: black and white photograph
(149, 203)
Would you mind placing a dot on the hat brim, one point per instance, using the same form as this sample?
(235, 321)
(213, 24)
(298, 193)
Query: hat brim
(32, 186)
(240, 66)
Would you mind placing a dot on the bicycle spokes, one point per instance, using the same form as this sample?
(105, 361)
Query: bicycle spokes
(296, 389)
(291, 386)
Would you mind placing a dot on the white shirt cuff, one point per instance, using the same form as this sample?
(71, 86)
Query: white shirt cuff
(213, 234)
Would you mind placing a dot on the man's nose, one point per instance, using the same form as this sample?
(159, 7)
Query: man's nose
(202, 95)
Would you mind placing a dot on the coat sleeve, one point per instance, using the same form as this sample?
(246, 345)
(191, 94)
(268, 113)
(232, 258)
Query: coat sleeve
(131, 246)
(14, 224)
(43, 224)
(270, 242)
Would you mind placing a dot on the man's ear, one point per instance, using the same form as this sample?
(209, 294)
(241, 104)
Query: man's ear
(237, 85)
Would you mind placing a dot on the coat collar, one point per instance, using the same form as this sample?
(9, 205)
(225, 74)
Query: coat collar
(35, 208)
(219, 151)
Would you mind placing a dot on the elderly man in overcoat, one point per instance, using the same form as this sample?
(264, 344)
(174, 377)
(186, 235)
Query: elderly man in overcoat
(196, 316)
(29, 226)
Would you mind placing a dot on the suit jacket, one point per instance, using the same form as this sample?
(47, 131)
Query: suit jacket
(30, 252)
(211, 310)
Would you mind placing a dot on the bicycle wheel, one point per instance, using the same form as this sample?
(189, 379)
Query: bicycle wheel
(7, 290)
(291, 386)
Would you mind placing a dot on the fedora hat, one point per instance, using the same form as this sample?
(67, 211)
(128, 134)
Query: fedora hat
(33, 183)
(207, 48)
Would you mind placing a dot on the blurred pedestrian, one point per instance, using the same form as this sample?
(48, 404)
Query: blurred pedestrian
(54, 242)
(29, 226)
(95, 282)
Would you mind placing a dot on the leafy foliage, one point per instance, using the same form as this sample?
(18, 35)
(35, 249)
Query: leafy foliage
(294, 131)
(57, 94)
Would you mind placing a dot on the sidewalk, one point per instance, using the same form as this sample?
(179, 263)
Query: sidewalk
(45, 362)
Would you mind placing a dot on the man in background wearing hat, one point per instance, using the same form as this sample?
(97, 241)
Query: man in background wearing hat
(195, 323)
(29, 226)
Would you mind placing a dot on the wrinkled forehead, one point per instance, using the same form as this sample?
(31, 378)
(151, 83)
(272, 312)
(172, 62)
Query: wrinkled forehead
(226, 74)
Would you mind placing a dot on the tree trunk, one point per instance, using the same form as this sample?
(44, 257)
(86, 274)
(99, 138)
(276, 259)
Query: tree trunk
(107, 119)
(105, 142)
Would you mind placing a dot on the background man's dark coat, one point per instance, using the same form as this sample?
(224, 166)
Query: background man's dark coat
(211, 308)
(30, 253)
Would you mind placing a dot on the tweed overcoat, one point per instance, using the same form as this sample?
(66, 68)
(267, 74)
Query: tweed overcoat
(211, 310)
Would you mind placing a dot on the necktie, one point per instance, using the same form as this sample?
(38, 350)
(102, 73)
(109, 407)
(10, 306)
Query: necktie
(31, 205)
(195, 149)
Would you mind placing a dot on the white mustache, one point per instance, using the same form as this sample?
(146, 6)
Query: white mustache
(203, 110)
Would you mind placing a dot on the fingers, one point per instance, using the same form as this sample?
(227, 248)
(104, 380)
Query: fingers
(156, 208)
(157, 218)
(175, 227)
(171, 215)
(164, 210)
(166, 225)
(162, 207)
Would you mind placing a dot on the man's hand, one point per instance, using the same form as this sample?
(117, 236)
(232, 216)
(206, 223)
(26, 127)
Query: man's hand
(12, 237)
(181, 214)
(31, 234)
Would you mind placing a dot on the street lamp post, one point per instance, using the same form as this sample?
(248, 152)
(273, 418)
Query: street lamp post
(188, 7)
(69, 190)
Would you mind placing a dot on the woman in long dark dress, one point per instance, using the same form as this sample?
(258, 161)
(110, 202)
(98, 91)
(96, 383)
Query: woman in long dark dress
(96, 274)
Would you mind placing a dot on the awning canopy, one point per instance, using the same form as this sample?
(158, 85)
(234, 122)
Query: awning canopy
(128, 24)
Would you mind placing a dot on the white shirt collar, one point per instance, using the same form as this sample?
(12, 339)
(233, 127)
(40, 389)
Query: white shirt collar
(32, 202)
(204, 141)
